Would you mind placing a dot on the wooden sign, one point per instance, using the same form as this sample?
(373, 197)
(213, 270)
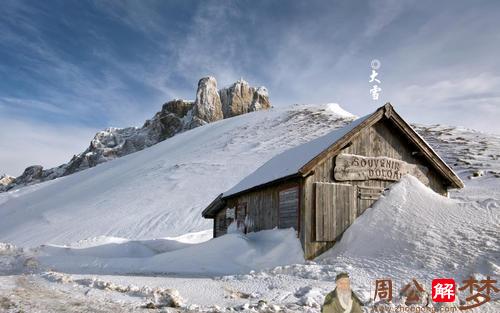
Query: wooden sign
(357, 167)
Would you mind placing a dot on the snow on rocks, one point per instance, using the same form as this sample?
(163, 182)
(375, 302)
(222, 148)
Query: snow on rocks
(477, 173)
(466, 150)
(241, 98)
(6, 180)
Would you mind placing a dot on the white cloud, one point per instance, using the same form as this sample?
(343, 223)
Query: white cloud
(473, 102)
(24, 143)
(448, 92)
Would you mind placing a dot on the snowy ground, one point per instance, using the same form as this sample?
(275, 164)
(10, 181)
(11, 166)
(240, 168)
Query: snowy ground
(71, 254)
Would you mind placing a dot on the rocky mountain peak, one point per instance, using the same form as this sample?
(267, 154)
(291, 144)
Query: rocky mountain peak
(175, 116)
(207, 105)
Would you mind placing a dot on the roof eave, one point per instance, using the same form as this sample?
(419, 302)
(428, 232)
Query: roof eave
(444, 169)
(267, 184)
(213, 208)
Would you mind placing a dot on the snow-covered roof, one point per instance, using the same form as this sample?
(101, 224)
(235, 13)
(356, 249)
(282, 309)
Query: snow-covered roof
(290, 161)
(301, 159)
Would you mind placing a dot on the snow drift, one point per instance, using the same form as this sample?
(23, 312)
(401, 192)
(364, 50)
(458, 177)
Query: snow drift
(229, 254)
(411, 230)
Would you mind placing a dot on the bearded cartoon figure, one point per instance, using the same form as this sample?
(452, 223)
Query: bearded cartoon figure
(342, 299)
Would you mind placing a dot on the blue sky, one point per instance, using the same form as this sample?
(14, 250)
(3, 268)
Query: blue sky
(70, 68)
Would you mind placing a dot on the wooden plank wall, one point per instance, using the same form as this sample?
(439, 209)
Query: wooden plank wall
(262, 208)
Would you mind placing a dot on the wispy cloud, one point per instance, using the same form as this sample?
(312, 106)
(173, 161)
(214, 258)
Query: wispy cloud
(93, 86)
(93, 64)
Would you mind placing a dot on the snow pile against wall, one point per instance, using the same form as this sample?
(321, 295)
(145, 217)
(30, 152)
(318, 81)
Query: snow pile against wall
(412, 230)
(229, 254)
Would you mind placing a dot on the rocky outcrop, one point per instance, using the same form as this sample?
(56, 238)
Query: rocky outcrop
(31, 173)
(6, 180)
(178, 107)
(241, 98)
(260, 100)
(174, 117)
(207, 106)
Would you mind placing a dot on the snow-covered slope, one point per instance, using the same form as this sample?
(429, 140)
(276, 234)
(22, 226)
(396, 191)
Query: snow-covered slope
(159, 191)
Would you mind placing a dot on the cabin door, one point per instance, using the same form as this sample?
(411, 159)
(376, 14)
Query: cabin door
(288, 210)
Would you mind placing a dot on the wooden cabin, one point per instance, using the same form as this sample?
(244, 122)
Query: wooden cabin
(321, 186)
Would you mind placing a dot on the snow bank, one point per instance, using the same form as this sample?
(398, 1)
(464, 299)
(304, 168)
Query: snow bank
(229, 254)
(413, 229)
